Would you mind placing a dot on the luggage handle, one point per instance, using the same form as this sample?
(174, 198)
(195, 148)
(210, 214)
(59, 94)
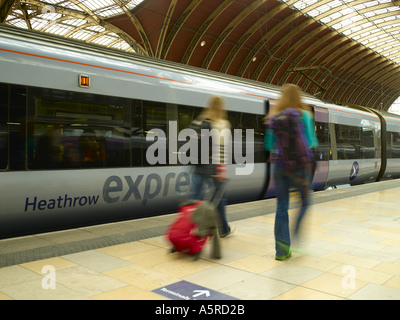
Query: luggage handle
(219, 190)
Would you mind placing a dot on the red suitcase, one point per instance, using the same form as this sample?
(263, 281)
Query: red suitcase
(181, 234)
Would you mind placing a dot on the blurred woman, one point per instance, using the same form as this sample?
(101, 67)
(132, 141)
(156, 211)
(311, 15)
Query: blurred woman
(290, 98)
(215, 113)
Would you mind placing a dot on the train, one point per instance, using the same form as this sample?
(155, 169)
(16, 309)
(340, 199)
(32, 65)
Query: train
(58, 96)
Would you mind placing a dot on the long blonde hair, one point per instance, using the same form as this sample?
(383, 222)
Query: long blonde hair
(215, 109)
(290, 98)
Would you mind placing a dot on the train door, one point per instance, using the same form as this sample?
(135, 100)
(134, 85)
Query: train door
(322, 151)
(13, 142)
(269, 184)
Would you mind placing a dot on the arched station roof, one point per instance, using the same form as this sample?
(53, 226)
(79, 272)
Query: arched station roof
(342, 51)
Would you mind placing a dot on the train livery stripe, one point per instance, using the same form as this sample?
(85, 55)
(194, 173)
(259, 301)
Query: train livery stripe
(393, 121)
(160, 78)
(354, 113)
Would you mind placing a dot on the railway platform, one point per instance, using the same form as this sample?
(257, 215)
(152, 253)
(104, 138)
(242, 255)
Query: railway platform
(349, 250)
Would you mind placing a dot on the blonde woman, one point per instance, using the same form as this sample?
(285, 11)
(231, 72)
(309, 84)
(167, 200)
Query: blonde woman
(215, 113)
(290, 98)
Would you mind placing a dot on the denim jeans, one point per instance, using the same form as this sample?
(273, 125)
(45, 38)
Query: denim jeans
(198, 193)
(283, 181)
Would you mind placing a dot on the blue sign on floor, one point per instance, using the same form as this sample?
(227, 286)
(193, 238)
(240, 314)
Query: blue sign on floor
(184, 290)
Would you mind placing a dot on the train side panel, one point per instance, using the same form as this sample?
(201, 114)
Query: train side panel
(355, 146)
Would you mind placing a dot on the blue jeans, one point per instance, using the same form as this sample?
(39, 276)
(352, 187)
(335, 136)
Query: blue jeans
(283, 181)
(198, 193)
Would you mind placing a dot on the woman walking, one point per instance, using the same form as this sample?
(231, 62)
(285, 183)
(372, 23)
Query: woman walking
(300, 177)
(215, 113)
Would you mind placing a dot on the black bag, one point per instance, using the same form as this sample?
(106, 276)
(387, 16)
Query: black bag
(198, 125)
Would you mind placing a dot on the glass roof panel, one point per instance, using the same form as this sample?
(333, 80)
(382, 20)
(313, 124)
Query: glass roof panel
(374, 24)
(350, 17)
(68, 18)
(395, 108)
(59, 29)
(104, 40)
(121, 45)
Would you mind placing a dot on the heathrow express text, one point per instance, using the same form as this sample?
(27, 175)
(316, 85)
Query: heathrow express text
(59, 203)
(138, 188)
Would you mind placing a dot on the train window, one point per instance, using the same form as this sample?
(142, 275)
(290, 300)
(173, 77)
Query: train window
(368, 144)
(245, 121)
(186, 115)
(48, 149)
(57, 146)
(155, 117)
(348, 141)
(389, 145)
(256, 122)
(77, 130)
(4, 96)
(137, 134)
(394, 145)
(18, 147)
(4, 124)
(73, 106)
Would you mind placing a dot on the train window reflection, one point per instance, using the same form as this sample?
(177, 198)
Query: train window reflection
(3, 126)
(348, 140)
(137, 133)
(394, 151)
(16, 126)
(57, 146)
(368, 144)
(85, 107)
(155, 117)
(186, 115)
(245, 121)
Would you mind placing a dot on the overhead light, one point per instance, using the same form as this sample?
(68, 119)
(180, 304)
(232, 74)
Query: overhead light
(254, 59)
(203, 43)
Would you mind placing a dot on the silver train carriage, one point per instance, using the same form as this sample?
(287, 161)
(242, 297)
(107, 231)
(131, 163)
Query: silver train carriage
(60, 98)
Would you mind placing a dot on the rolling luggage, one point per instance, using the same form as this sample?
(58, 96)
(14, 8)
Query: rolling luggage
(182, 233)
(197, 221)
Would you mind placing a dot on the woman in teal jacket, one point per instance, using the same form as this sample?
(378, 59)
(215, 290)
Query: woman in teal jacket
(290, 98)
